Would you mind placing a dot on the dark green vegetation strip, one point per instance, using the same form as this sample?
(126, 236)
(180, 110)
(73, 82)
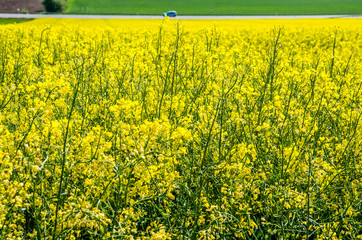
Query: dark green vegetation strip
(216, 6)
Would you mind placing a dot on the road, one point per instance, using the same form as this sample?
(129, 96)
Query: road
(12, 15)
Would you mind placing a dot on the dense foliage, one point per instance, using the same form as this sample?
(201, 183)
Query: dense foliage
(54, 5)
(179, 131)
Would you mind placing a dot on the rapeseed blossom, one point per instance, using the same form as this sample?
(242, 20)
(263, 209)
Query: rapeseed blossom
(149, 129)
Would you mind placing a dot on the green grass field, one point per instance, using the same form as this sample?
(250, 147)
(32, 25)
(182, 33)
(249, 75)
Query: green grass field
(236, 7)
(12, 20)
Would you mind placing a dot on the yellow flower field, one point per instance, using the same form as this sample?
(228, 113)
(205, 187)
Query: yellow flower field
(151, 129)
